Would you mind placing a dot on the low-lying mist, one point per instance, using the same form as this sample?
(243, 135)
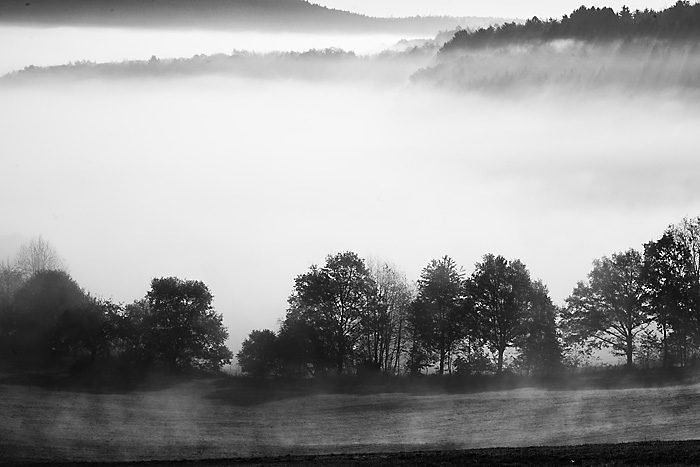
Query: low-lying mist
(624, 67)
(242, 170)
(185, 421)
(52, 46)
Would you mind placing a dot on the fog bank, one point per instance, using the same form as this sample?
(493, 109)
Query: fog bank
(53, 46)
(243, 183)
(620, 68)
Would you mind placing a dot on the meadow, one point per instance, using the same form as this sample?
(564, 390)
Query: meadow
(229, 418)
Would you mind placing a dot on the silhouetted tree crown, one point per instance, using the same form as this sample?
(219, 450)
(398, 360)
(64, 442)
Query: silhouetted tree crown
(501, 292)
(439, 317)
(334, 300)
(182, 328)
(36, 322)
(609, 310)
(260, 354)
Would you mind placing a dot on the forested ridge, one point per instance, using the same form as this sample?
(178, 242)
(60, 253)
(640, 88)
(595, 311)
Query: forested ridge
(594, 24)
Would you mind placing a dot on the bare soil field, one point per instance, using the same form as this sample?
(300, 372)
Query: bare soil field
(224, 422)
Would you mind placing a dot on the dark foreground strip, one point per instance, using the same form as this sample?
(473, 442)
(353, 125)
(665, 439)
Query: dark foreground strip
(654, 453)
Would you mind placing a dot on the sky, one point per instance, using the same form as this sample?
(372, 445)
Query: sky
(484, 8)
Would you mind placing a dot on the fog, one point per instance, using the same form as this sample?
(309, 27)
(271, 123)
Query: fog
(243, 182)
(196, 421)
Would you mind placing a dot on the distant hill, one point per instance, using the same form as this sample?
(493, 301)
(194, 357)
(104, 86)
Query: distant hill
(266, 15)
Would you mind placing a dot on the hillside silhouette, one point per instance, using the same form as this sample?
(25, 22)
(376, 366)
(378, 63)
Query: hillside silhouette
(265, 15)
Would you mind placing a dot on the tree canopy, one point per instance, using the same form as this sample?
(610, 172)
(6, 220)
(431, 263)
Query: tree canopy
(440, 317)
(501, 291)
(609, 309)
(182, 328)
(334, 300)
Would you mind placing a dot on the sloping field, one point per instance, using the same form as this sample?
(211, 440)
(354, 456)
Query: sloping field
(198, 420)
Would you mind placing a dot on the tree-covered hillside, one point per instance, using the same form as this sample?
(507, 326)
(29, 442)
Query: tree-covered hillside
(681, 21)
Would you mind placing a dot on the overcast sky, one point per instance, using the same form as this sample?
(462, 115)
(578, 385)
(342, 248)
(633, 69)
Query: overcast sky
(493, 8)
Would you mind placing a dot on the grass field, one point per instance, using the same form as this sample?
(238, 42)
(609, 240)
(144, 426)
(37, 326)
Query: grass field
(220, 418)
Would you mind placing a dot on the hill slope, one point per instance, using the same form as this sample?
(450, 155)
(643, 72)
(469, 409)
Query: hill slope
(275, 15)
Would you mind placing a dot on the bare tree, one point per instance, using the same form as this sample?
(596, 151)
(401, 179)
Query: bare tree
(38, 255)
(385, 334)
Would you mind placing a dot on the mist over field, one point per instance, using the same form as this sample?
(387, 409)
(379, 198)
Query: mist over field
(202, 420)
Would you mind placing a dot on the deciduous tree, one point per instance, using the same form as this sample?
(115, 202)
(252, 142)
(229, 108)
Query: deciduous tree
(384, 326)
(609, 309)
(259, 356)
(37, 309)
(38, 255)
(540, 349)
(501, 292)
(672, 284)
(439, 316)
(183, 330)
(334, 300)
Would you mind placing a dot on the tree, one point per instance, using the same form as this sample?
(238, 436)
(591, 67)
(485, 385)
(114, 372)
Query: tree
(672, 285)
(182, 329)
(609, 310)
(540, 349)
(439, 318)
(259, 355)
(38, 307)
(384, 326)
(11, 280)
(303, 352)
(668, 284)
(83, 332)
(38, 255)
(334, 300)
(501, 293)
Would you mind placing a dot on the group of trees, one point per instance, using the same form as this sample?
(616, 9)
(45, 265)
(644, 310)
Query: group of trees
(347, 316)
(680, 21)
(353, 316)
(350, 317)
(46, 320)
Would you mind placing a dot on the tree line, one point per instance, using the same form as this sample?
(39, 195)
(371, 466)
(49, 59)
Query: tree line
(678, 22)
(354, 316)
(48, 321)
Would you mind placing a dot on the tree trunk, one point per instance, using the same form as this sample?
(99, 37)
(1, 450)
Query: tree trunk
(500, 360)
(398, 350)
(629, 351)
(341, 355)
(664, 359)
